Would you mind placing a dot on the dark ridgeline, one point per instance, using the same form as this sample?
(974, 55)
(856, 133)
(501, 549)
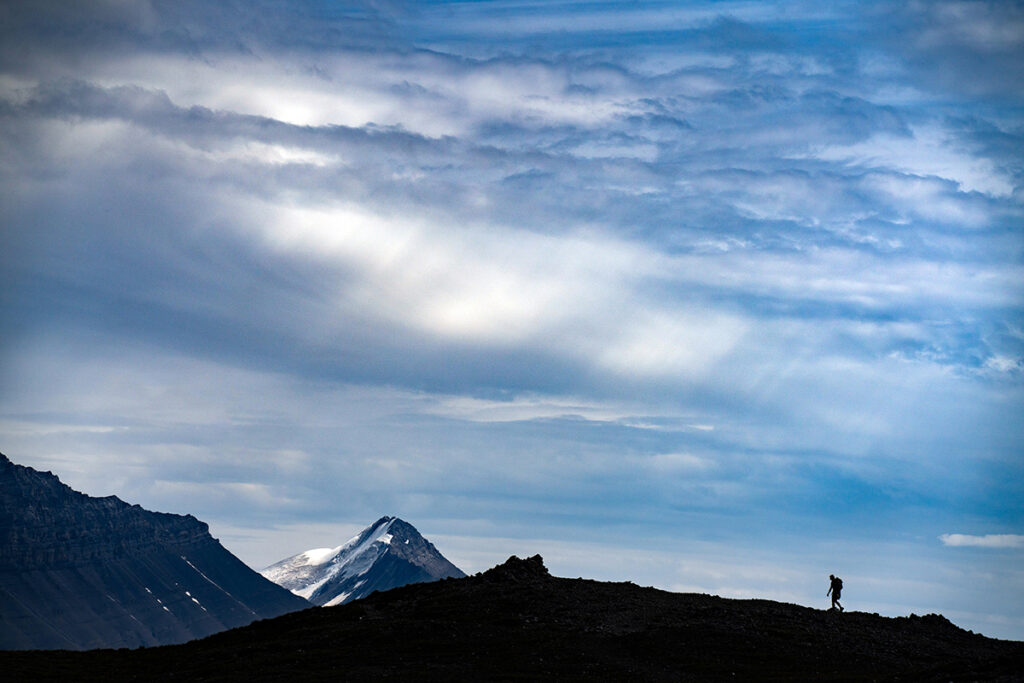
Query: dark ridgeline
(516, 622)
(80, 572)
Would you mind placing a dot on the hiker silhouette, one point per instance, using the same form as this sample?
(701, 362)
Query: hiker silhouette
(835, 588)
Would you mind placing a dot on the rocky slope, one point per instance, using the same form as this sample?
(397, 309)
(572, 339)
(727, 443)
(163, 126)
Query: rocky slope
(387, 554)
(81, 572)
(516, 622)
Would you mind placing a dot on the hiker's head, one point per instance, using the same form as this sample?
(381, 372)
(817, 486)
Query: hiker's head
(831, 576)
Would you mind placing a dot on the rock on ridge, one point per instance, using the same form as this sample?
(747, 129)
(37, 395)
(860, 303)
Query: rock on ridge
(516, 570)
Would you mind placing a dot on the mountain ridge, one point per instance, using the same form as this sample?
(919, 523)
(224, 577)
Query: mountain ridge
(69, 548)
(80, 572)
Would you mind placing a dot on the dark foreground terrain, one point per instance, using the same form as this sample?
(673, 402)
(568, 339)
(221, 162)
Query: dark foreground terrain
(516, 622)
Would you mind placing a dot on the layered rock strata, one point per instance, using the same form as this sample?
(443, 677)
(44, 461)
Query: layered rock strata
(78, 572)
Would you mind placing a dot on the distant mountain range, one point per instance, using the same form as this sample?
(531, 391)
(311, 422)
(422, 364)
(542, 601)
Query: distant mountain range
(387, 554)
(79, 572)
(517, 623)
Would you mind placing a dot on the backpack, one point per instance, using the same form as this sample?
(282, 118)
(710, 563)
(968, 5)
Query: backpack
(838, 584)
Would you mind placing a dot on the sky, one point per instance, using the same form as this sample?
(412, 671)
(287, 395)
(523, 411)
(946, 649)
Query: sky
(720, 297)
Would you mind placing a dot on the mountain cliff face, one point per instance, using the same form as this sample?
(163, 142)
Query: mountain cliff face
(516, 622)
(387, 554)
(78, 572)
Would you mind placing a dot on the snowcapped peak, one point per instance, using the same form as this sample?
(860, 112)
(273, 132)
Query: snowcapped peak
(329, 576)
(306, 573)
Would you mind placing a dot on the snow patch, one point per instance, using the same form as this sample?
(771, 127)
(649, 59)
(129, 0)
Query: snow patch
(318, 556)
(337, 600)
(217, 585)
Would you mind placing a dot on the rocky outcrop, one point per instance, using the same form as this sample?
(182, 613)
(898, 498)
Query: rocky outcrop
(80, 572)
(516, 570)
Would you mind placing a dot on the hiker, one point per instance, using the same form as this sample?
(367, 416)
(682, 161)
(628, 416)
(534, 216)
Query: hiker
(835, 588)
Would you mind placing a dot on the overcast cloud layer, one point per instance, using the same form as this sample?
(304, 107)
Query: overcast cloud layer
(719, 296)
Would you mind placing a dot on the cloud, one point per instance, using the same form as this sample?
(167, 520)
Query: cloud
(925, 154)
(967, 46)
(986, 541)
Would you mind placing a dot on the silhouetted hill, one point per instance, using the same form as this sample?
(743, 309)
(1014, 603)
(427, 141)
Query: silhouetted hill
(516, 622)
(80, 572)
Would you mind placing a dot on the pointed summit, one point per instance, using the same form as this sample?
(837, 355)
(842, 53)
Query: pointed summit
(387, 554)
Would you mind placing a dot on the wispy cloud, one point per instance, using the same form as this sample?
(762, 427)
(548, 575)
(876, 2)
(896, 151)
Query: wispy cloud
(986, 541)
